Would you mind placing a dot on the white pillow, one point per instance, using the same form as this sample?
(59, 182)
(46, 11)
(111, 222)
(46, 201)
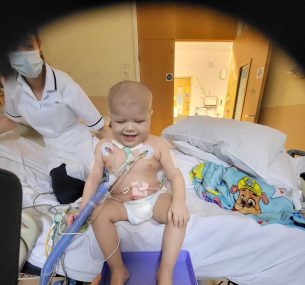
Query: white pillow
(185, 163)
(248, 146)
(282, 173)
(196, 152)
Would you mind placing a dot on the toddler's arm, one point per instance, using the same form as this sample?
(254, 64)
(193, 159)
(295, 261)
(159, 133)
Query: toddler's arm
(178, 211)
(93, 181)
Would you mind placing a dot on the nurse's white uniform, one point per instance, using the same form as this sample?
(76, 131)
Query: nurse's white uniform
(64, 116)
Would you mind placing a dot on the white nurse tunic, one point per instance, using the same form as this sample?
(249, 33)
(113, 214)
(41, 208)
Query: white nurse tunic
(64, 116)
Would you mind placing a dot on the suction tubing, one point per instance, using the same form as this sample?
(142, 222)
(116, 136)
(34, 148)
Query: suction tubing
(65, 240)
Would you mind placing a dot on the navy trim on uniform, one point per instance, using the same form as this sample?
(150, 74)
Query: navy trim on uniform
(55, 82)
(96, 123)
(12, 115)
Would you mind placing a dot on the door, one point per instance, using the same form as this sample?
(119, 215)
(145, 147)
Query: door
(156, 57)
(156, 61)
(241, 90)
(246, 81)
(255, 88)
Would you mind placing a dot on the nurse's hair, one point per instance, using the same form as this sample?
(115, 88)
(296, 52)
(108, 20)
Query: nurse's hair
(27, 36)
(35, 34)
(5, 67)
(132, 90)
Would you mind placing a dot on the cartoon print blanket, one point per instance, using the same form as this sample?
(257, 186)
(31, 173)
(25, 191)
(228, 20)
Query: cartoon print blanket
(234, 190)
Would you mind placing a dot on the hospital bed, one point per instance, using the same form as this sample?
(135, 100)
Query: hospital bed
(221, 243)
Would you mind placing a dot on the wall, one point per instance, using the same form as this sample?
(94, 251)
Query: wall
(98, 48)
(283, 105)
(203, 62)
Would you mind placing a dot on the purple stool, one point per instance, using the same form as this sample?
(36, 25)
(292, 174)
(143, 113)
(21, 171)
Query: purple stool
(143, 266)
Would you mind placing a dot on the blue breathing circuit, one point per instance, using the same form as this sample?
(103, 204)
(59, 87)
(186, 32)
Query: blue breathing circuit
(47, 270)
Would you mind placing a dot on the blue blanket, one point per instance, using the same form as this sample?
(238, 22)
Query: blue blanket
(234, 190)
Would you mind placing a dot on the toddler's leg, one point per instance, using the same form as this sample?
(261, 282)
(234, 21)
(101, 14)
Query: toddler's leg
(173, 237)
(103, 220)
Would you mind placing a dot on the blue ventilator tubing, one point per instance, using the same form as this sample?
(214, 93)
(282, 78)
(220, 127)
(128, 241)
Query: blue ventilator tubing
(65, 240)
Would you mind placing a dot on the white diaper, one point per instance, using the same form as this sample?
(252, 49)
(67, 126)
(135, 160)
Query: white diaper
(141, 210)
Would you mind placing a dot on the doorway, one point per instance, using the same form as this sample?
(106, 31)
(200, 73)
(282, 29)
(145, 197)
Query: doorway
(200, 78)
(182, 97)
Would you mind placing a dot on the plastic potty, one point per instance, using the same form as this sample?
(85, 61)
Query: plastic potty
(143, 266)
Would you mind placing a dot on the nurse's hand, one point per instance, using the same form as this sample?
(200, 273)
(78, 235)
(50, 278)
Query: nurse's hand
(105, 132)
(6, 124)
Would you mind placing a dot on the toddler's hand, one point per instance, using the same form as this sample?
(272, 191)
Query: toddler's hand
(70, 217)
(179, 214)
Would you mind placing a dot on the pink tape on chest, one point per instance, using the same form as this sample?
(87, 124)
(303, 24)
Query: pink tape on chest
(139, 189)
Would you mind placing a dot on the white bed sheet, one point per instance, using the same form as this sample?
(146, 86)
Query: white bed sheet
(221, 243)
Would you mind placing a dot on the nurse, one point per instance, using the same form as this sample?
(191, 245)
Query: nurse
(55, 106)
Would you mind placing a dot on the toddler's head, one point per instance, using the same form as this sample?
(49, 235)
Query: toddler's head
(130, 110)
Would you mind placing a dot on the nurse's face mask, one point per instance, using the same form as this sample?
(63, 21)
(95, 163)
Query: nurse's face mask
(27, 63)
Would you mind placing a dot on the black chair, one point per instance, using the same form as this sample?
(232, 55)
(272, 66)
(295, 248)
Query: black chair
(10, 209)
